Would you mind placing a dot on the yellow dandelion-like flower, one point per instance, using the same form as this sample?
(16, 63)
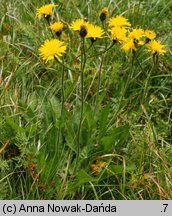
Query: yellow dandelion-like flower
(52, 49)
(57, 27)
(118, 21)
(45, 10)
(104, 14)
(80, 25)
(129, 46)
(136, 34)
(150, 35)
(118, 34)
(76, 25)
(155, 47)
(94, 32)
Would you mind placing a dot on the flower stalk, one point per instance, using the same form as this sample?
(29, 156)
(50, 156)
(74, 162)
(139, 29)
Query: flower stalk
(62, 109)
(153, 68)
(83, 62)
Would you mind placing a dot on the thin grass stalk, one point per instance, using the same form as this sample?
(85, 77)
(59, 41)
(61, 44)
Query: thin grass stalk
(99, 73)
(124, 90)
(100, 70)
(129, 77)
(62, 86)
(99, 81)
(76, 57)
(102, 52)
(153, 68)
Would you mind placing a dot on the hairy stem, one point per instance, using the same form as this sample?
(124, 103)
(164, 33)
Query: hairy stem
(83, 62)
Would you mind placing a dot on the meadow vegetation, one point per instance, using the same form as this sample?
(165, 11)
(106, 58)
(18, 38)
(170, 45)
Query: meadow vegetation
(94, 121)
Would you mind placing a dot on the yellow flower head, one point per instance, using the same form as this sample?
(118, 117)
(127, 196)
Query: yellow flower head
(76, 25)
(118, 34)
(129, 46)
(155, 47)
(118, 21)
(136, 34)
(52, 49)
(150, 34)
(45, 10)
(94, 32)
(104, 14)
(57, 27)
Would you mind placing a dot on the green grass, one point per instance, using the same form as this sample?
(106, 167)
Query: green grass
(126, 129)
